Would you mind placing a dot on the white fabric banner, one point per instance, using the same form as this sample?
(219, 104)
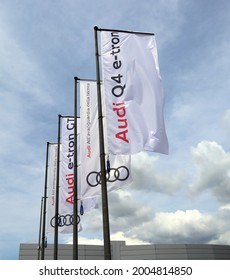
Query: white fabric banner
(134, 94)
(51, 187)
(66, 197)
(119, 174)
(66, 193)
(65, 219)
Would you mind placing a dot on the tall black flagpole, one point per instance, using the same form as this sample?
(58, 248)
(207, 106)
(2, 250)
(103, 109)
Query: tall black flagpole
(57, 193)
(104, 195)
(40, 227)
(75, 207)
(44, 206)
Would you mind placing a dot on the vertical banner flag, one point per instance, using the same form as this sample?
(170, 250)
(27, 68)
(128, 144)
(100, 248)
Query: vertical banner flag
(66, 182)
(51, 188)
(65, 218)
(67, 166)
(119, 174)
(66, 200)
(133, 91)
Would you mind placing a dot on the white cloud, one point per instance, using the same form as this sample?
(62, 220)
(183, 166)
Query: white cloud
(222, 239)
(138, 224)
(213, 170)
(126, 211)
(190, 226)
(118, 236)
(222, 226)
(225, 207)
(87, 241)
(146, 175)
(183, 222)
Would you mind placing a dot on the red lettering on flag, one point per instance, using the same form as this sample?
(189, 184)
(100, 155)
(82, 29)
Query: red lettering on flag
(70, 180)
(120, 111)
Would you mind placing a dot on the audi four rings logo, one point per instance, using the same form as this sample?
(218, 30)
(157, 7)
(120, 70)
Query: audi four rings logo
(64, 220)
(94, 178)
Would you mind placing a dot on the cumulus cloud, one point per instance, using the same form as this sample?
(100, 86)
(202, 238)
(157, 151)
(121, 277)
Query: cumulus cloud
(136, 223)
(118, 236)
(179, 227)
(126, 212)
(147, 177)
(190, 226)
(222, 239)
(222, 216)
(213, 173)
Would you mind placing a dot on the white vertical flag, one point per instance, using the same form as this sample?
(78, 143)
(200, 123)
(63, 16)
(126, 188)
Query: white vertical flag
(134, 94)
(119, 174)
(66, 194)
(51, 188)
(66, 185)
(67, 166)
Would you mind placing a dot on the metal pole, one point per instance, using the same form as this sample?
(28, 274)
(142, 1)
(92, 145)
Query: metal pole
(75, 207)
(40, 229)
(44, 208)
(57, 194)
(105, 210)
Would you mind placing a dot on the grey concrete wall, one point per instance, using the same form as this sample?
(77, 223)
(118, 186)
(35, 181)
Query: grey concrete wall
(121, 251)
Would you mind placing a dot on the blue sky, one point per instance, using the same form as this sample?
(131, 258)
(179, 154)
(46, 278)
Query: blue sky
(180, 198)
